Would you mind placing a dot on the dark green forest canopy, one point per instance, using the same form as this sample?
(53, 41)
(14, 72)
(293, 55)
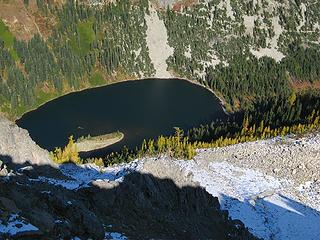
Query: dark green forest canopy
(94, 45)
(87, 47)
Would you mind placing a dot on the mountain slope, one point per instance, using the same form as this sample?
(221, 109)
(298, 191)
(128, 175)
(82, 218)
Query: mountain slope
(245, 51)
(16, 144)
(271, 186)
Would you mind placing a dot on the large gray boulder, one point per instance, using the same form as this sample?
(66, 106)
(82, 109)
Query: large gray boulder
(17, 148)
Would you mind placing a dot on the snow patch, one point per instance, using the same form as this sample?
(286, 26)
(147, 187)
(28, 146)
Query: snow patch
(114, 236)
(82, 175)
(272, 51)
(15, 225)
(268, 52)
(137, 53)
(303, 9)
(260, 201)
(213, 62)
(225, 4)
(249, 24)
(310, 191)
(187, 54)
(75, 238)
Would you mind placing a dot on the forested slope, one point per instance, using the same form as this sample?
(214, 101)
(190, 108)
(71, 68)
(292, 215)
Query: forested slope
(88, 46)
(246, 51)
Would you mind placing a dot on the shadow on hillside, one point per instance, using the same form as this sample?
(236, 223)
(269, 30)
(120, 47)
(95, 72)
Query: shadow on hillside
(275, 217)
(140, 207)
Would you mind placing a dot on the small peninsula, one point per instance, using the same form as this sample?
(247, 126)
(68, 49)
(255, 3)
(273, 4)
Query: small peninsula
(89, 143)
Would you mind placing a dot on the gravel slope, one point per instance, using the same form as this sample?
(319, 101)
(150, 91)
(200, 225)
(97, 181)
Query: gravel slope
(272, 186)
(157, 41)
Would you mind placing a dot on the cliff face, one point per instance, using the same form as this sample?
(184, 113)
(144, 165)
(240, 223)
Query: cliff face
(16, 144)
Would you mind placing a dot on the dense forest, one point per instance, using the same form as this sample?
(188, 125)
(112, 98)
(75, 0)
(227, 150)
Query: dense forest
(275, 119)
(216, 134)
(250, 53)
(89, 46)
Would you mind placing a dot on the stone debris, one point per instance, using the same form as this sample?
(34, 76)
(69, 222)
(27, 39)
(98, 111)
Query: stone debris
(271, 185)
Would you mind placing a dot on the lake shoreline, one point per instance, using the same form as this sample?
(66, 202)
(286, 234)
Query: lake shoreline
(221, 101)
(140, 109)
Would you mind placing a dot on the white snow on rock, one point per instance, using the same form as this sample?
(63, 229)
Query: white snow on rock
(303, 9)
(268, 52)
(264, 203)
(225, 4)
(15, 225)
(114, 236)
(188, 54)
(157, 41)
(249, 24)
(75, 238)
(82, 175)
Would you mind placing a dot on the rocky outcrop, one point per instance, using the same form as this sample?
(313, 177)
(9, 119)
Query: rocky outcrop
(17, 147)
(3, 169)
(145, 207)
(141, 206)
(294, 157)
(162, 205)
(162, 198)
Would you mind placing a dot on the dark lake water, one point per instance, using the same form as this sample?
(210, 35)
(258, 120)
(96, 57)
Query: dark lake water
(141, 109)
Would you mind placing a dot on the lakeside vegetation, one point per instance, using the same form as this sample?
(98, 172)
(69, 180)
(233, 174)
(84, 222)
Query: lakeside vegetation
(268, 119)
(69, 153)
(179, 146)
(277, 118)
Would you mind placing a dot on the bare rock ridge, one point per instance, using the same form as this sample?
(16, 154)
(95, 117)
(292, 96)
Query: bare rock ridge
(139, 200)
(16, 143)
(141, 206)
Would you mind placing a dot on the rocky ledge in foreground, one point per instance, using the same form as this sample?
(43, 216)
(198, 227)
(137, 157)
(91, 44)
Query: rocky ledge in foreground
(146, 199)
(81, 202)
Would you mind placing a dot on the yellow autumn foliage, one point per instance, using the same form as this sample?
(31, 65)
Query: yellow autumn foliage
(68, 154)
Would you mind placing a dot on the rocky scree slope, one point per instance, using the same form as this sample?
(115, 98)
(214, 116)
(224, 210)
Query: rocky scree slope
(272, 186)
